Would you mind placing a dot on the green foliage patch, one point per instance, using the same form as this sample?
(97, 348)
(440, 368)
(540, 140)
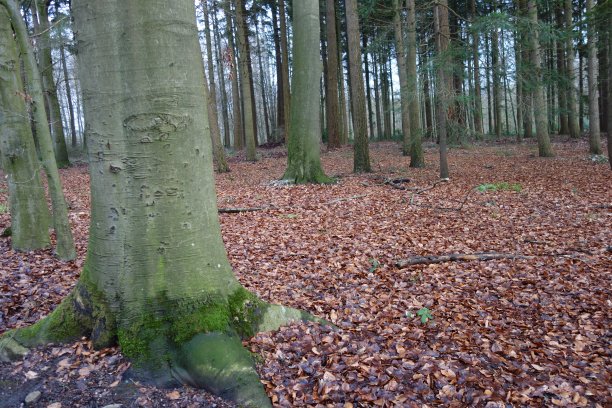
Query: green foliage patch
(499, 186)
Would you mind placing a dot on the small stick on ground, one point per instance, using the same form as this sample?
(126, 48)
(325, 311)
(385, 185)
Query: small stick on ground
(433, 259)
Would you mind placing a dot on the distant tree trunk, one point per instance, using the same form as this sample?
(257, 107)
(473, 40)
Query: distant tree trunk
(71, 118)
(285, 53)
(604, 61)
(379, 129)
(65, 245)
(262, 80)
(386, 97)
(245, 78)
(221, 75)
(539, 101)
(332, 115)
(303, 149)
(417, 158)
(428, 107)
(367, 85)
(491, 123)
(280, 92)
(344, 126)
(477, 91)
(236, 101)
(48, 82)
(361, 156)
(403, 75)
(523, 72)
(497, 103)
(570, 54)
(609, 45)
(27, 203)
(594, 132)
(562, 72)
(519, 86)
(211, 96)
(442, 34)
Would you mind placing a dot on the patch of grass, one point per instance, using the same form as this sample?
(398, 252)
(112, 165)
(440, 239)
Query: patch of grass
(504, 153)
(499, 186)
(3, 208)
(598, 159)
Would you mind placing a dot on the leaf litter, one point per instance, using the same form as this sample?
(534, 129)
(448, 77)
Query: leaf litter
(496, 333)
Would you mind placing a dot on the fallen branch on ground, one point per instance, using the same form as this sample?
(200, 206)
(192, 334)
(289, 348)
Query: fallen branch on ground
(241, 210)
(432, 259)
(273, 207)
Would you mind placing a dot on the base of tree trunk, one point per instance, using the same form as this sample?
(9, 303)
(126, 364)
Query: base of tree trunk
(196, 345)
(299, 176)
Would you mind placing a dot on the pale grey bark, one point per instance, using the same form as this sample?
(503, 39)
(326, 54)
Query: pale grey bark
(65, 245)
(27, 204)
(303, 151)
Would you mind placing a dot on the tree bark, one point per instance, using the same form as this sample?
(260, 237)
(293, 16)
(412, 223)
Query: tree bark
(609, 113)
(303, 150)
(262, 80)
(48, 83)
(157, 280)
(366, 64)
(417, 158)
(497, 104)
(332, 115)
(594, 132)
(361, 154)
(562, 73)
(27, 203)
(403, 75)
(211, 96)
(570, 66)
(280, 102)
(539, 101)
(442, 34)
(247, 95)
(65, 245)
(231, 58)
(477, 89)
(285, 52)
(221, 75)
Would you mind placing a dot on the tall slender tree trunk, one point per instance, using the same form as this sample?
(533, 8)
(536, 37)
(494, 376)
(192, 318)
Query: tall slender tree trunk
(442, 34)
(236, 101)
(361, 155)
(221, 75)
(403, 75)
(519, 86)
(491, 123)
(562, 72)
(428, 107)
(245, 78)
(48, 82)
(344, 126)
(332, 115)
(386, 102)
(417, 158)
(30, 217)
(262, 81)
(477, 89)
(368, 87)
(379, 128)
(539, 101)
(609, 113)
(211, 95)
(65, 245)
(303, 149)
(570, 53)
(594, 132)
(280, 92)
(71, 118)
(285, 52)
(497, 104)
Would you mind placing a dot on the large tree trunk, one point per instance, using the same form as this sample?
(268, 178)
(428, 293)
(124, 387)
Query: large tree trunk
(245, 79)
(211, 93)
(65, 245)
(361, 155)
(48, 83)
(403, 75)
(157, 280)
(539, 101)
(442, 33)
(303, 150)
(416, 148)
(332, 115)
(28, 207)
(594, 137)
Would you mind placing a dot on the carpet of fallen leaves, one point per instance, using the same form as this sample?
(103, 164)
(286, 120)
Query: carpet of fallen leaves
(507, 332)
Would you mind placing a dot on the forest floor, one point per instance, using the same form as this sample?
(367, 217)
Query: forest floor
(533, 330)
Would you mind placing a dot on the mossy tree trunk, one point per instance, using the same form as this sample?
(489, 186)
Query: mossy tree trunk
(539, 101)
(28, 207)
(303, 148)
(361, 155)
(48, 81)
(157, 280)
(65, 245)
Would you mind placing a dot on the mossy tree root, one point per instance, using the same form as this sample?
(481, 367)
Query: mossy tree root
(201, 347)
